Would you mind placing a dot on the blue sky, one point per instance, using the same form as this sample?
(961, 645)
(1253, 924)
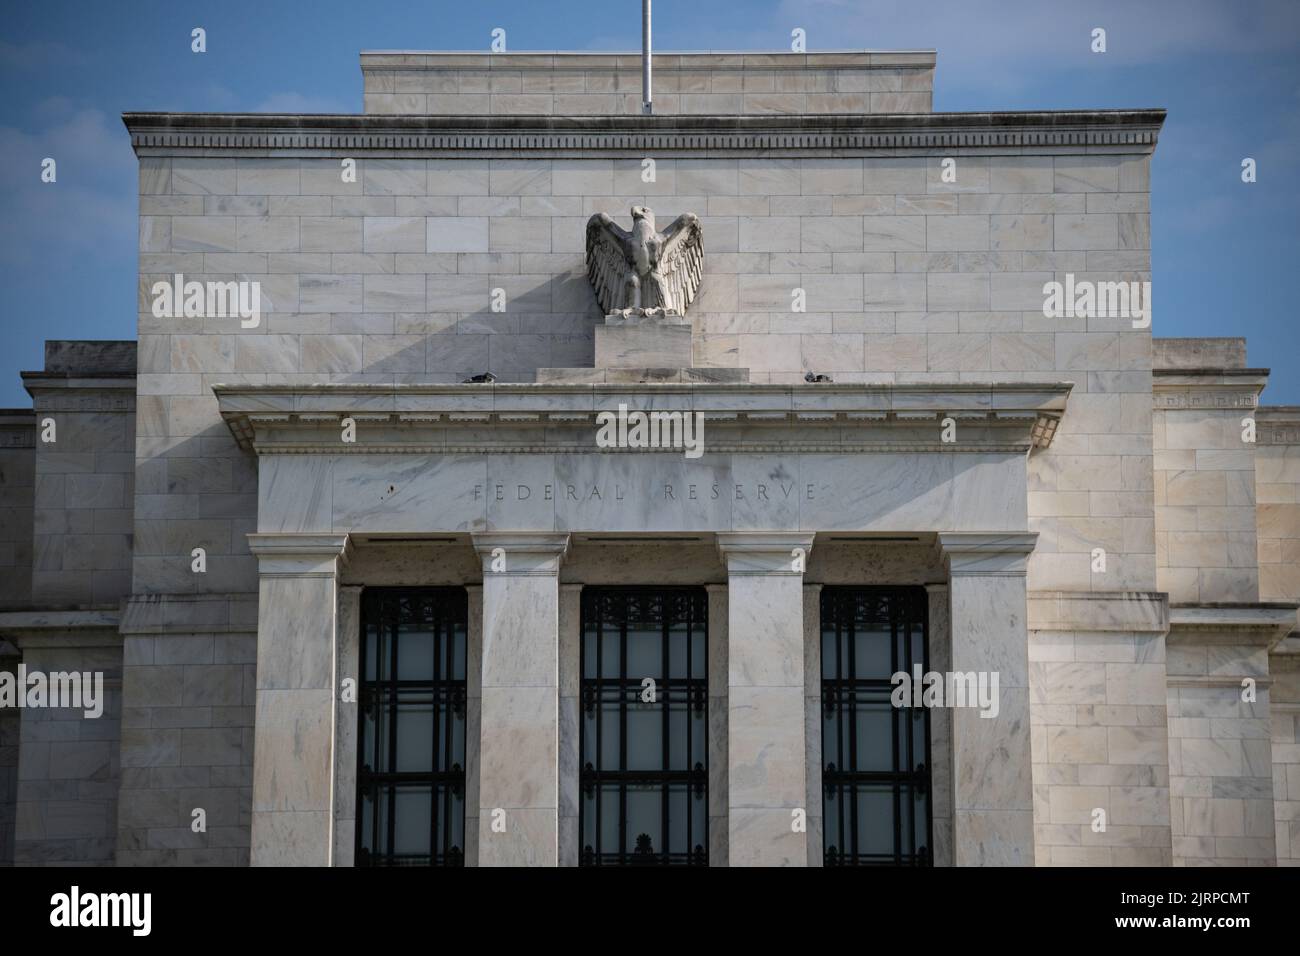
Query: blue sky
(1225, 253)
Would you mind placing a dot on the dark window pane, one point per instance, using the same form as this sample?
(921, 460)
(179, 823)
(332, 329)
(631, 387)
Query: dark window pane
(872, 654)
(649, 786)
(611, 656)
(875, 757)
(678, 661)
(875, 834)
(873, 732)
(645, 737)
(411, 812)
(644, 819)
(645, 654)
(411, 778)
(414, 655)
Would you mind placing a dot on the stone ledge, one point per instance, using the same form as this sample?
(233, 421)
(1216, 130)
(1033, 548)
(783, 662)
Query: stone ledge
(641, 376)
(220, 613)
(1264, 624)
(627, 60)
(75, 627)
(1091, 611)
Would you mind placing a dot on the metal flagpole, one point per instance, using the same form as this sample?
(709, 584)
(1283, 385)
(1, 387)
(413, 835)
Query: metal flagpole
(647, 103)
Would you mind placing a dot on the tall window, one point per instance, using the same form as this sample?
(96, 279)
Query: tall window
(875, 757)
(644, 732)
(411, 751)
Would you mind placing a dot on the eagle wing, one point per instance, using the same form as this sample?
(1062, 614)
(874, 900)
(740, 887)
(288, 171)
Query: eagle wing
(681, 258)
(609, 262)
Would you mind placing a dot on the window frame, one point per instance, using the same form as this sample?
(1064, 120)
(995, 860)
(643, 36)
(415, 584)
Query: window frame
(908, 608)
(448, 619)
(594, 690)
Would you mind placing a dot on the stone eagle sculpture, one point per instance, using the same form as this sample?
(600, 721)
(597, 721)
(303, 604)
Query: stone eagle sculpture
(644, 272)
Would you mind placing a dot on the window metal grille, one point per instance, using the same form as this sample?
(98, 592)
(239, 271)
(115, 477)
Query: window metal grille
(411, 734)
(875, 757)
(644, 727)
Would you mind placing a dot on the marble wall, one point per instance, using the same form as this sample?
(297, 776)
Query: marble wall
(542, 84)
(1277, 487)
(1220, 751)
(1204, 482)
(66, 803)
(84, 479)
(388, 279)
(17, 491)
(189, 685)
(9, 731)
(1284, 702)
(1100, 731)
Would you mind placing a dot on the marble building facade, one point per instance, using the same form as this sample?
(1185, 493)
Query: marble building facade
(966, 450)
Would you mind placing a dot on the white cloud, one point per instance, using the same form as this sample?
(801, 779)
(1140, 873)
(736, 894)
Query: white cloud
(91, 203)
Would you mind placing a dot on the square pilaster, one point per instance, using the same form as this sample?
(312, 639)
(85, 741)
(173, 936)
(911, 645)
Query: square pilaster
(992, 781)
(297, 694)
(519, 723)
(766, 746)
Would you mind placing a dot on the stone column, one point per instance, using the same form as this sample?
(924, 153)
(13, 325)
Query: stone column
(348, 665)
(520, 718)
(765, 697)
(473, 710)
(570, 761)
(992, 781)
(812, 712)
(940, 729)
(297, 693)
(717, 724)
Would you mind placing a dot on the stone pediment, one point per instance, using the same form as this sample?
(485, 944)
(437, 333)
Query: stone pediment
(562, 418)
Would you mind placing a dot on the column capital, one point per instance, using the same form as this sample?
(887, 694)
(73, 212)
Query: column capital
(764, 552)
(987, 553)
(520, 552)
(289, 553)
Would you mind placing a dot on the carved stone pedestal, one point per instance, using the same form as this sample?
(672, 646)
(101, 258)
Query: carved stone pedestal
(643, 348)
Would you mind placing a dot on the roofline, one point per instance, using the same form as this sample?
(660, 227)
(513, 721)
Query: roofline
(631, 52)
(634, 135)
(626, 123)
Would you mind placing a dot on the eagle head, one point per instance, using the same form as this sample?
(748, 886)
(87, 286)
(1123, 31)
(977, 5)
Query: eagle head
(643, 212)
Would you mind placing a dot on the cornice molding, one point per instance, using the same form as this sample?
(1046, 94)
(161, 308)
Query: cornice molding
(986, 553)
(764, 553)
(293, 554)
(562, 419)
(1187, 388)
(182, 134)
(1277, 425)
